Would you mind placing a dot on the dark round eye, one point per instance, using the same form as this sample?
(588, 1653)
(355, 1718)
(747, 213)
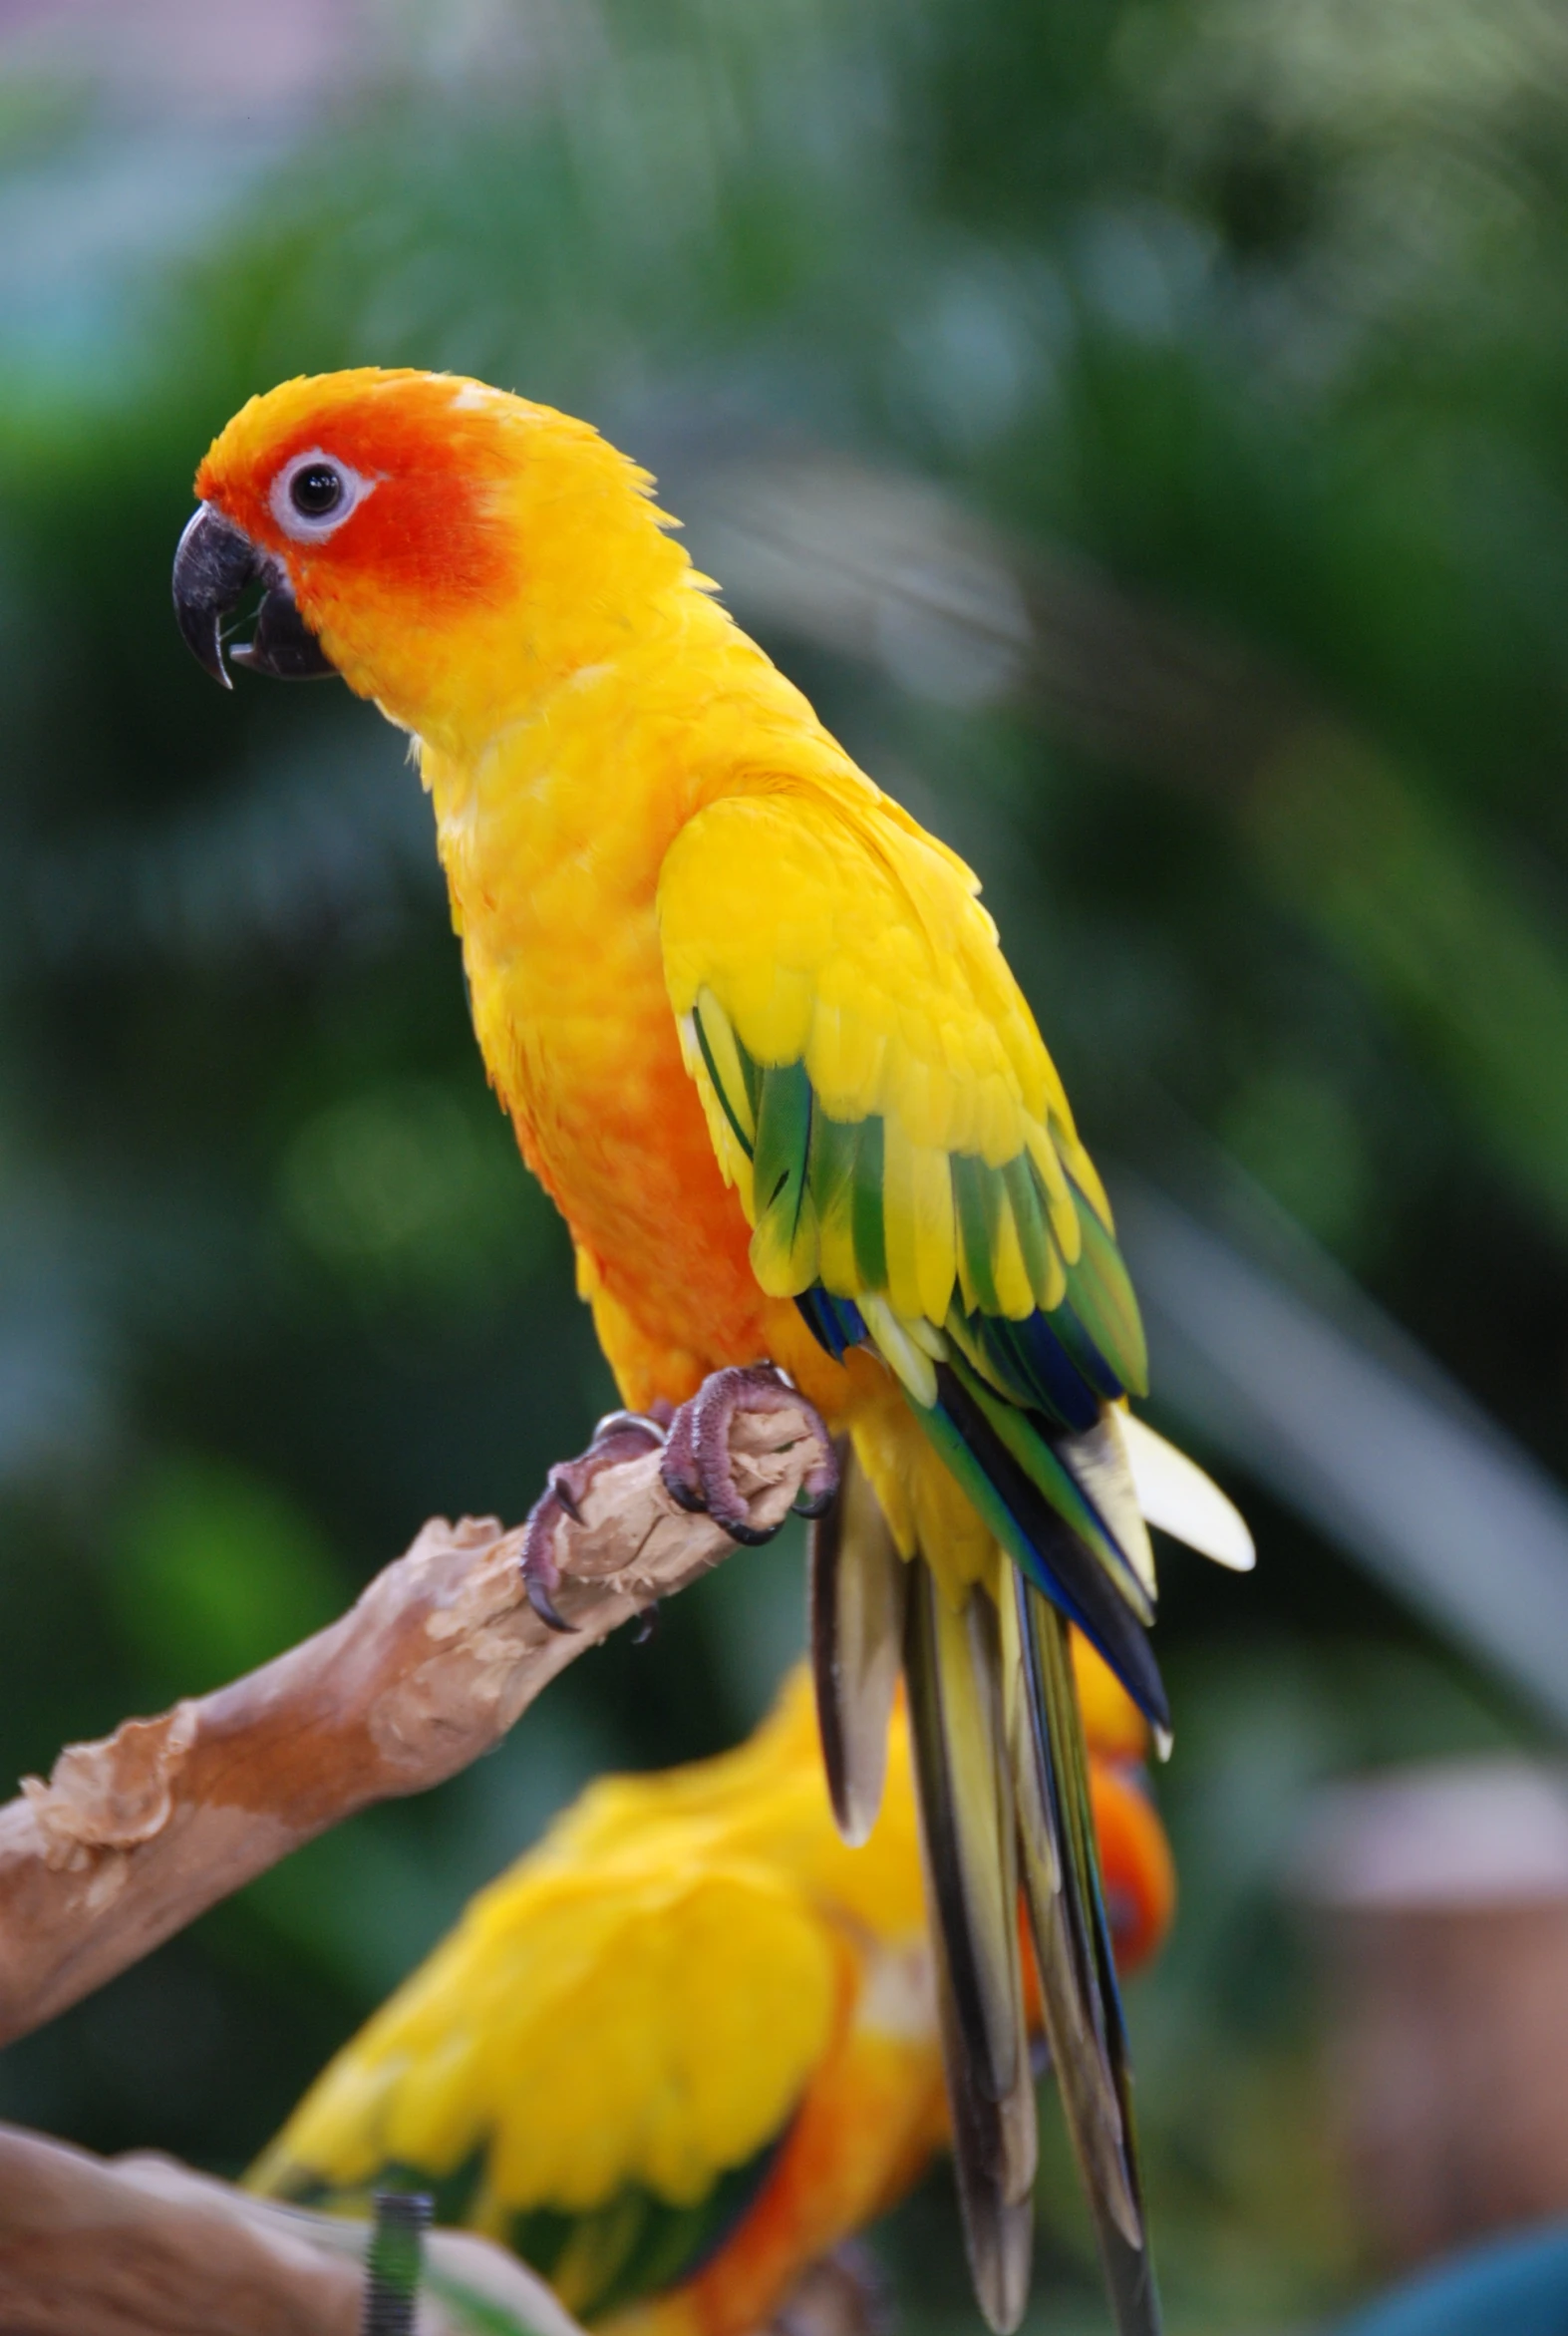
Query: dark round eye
(316, 491)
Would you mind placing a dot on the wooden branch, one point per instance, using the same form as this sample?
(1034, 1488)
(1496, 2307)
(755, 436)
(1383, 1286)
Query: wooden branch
(141, 2247)
(135, 1836)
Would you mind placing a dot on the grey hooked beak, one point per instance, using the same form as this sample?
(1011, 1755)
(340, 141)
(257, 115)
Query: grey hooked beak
(215, 564)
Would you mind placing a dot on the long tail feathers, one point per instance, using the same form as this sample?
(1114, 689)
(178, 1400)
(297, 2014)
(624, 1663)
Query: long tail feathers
(969, 1835)
(999, 1743)
(1003, 1786)
(1080, 1999)
(999, 2231)
(858, 1584)
(870, 1613)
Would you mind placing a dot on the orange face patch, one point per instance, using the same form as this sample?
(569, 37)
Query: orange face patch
(429, 530)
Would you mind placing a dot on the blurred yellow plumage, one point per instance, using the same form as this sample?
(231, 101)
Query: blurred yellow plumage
(690, 2042)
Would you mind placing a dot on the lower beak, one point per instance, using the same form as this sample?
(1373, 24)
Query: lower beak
(214, 565)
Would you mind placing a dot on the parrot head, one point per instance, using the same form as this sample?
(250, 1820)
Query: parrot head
(426, 537)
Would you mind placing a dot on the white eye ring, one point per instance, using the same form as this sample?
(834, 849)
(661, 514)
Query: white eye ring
(290, 499)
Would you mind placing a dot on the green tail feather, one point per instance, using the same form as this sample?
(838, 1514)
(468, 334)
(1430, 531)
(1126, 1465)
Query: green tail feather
(968, 1834)
(1079, 1998)
(999, 2231)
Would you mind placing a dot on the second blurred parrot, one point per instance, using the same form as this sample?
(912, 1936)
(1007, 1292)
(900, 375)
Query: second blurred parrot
(689, 2043)
(759, 1041)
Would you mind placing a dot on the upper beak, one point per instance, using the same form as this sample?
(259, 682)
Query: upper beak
(212, 568)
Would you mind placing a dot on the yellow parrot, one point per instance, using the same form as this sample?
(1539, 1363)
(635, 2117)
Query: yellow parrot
(689, 2043)
(759, 1041)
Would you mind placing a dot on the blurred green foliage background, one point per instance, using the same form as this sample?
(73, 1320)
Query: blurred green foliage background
(1253, 313)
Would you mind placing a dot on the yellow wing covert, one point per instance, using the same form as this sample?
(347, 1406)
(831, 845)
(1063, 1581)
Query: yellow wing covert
(581, 2038)
(801, 936)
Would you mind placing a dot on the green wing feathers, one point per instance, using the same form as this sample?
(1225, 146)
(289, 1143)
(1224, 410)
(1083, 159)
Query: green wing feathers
(842, 1227)
(929, 1237)
(875, 1085)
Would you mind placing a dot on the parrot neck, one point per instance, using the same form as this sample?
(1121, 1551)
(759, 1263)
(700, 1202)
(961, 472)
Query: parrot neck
(553, 829)
(557, 564)
(589, 738)
(554, 817)
(617, 699)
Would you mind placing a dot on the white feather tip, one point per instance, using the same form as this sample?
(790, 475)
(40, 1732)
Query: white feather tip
(1175, 1494)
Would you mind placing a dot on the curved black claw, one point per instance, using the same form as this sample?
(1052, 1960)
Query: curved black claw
(619, 1436)
(697, 1469)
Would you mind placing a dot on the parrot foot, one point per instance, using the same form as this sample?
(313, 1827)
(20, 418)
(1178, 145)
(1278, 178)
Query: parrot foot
(697, 1469)
(619, 1436)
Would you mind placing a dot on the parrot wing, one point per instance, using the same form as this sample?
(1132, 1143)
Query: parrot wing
(597, 2068)
(879, 1096)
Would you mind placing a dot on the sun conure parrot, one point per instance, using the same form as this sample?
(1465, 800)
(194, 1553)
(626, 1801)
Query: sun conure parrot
(689, 2043)
(759, 1041)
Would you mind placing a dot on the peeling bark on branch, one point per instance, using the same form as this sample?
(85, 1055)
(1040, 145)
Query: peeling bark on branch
(135, 1836)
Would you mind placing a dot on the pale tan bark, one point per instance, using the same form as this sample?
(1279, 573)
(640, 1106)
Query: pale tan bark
(141, 2247)
(135, 1836)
